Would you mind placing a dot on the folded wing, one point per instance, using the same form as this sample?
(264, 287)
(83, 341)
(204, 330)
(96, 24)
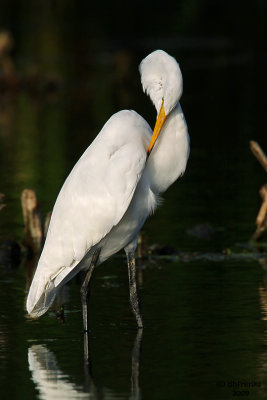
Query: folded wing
(93, 199)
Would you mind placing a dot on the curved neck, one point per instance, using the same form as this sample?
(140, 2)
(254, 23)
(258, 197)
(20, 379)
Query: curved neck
(168, 158)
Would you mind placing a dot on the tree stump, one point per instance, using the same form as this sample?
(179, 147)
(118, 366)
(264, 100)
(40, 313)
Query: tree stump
(33, 227)
(261, 220)
(258, 153)
(2, 205)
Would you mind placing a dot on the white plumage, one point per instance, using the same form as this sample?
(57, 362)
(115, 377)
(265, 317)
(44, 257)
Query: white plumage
(114, 186)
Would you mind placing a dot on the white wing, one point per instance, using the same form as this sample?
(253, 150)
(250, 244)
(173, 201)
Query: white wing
(93, 199)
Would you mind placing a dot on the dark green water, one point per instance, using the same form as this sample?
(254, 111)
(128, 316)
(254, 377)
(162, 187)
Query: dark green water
(205, 325)
(205, 321)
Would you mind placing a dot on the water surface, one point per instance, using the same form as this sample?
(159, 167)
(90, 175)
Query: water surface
(205, 321)
(204, 330)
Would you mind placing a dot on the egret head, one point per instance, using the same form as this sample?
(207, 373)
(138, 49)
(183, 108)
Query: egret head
(162, 80)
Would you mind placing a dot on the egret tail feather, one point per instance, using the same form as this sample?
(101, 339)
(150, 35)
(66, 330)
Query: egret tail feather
(43, 289)
(38, 308)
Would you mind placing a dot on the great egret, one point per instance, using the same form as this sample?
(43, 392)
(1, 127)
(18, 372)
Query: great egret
(113, 188)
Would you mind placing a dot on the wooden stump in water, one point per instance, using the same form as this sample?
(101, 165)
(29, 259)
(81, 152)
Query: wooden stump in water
(261, 220)
(2, 205)
(258, 153)
(32, 219)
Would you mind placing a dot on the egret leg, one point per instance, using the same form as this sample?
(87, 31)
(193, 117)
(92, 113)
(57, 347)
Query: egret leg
(136, 355)
(85, 289)
(132, 286)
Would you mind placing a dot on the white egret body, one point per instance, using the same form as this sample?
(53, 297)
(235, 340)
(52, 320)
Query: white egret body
(114, 187)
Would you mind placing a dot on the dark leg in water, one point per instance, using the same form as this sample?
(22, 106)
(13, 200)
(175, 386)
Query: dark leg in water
(85, 288)
(132, 286)
(136, 355)
(88, 375)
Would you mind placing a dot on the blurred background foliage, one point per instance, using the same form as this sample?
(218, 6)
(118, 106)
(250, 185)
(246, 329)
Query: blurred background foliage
(67, 66)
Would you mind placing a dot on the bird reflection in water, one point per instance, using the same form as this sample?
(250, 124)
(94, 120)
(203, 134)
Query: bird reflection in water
(53, 383)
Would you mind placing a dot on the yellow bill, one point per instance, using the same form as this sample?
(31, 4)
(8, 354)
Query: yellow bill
(159, 124)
